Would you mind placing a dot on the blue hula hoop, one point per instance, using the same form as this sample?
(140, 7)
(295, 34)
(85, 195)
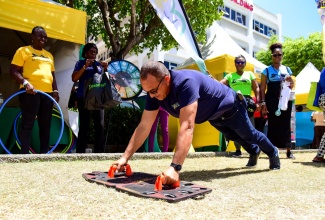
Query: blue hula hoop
(17, 138)
(58, 107)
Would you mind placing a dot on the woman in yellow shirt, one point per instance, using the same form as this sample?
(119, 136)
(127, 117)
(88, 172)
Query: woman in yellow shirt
(33, 68)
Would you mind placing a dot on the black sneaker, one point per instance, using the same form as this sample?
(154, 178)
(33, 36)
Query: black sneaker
(237, 154)
(275, 161)
(252, 162)
(290, 155)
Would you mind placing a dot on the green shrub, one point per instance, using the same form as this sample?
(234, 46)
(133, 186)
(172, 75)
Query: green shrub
(119, 126)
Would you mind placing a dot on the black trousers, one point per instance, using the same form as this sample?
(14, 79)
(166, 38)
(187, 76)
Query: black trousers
(318, 134)
(31, 106)
(260, 123)
(84, 120)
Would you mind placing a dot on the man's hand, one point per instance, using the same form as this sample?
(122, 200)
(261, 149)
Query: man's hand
(120, 164)
(170, 176)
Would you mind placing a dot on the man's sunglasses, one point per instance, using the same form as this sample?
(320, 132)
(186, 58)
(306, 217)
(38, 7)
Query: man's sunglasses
(277, 55)
(154, 91)
(240, 63)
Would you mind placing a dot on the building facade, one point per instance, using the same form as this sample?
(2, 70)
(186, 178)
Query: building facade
(249, 25)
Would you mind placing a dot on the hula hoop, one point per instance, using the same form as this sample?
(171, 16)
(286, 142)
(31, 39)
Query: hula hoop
(58, 107)
(72, 143)
(30, 148)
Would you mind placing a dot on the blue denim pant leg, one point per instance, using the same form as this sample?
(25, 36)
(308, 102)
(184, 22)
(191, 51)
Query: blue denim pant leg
(238, 127)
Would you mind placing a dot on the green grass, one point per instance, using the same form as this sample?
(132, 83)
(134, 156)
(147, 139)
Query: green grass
(56, 190)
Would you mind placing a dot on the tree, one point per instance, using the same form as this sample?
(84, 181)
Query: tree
(264, 55)
(132, 25)
(297, 52)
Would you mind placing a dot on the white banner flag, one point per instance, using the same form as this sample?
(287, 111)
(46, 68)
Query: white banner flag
(321, 11)
(171, 14)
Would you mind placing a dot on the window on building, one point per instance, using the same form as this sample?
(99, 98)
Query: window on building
(235, 16)
(263, 29)
(239, 18)
(266, 32)
(244, 20)
(256, 26)
(271, 32)
(228, 12)
(254, 54)
(170, 65)
(103, 56)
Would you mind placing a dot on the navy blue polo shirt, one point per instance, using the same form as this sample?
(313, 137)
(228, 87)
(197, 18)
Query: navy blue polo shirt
(187, 86)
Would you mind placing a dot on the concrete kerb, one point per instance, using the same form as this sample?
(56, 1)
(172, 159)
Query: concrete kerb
(26, 158)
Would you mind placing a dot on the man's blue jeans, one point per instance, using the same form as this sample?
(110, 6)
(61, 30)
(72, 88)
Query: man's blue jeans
(236, 126)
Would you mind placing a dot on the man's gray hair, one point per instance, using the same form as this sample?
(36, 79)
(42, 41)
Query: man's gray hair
(154, 68)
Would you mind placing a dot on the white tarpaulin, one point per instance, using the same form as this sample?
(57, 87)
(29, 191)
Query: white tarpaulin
(309, 74)
(174, 18)
(220, 43)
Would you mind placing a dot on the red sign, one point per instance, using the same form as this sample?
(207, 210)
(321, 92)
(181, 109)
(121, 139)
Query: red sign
(244, 4)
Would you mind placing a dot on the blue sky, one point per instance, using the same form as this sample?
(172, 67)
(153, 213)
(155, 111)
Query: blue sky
(299, 17)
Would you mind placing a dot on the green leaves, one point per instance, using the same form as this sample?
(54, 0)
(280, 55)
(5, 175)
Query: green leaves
(131, 31)
(297, 52)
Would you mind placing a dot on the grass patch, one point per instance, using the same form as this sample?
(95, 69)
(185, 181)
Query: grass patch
(56, 190)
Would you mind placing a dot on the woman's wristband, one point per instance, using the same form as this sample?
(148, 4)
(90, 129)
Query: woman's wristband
(25, 83)
(262, 103)
(55, 91)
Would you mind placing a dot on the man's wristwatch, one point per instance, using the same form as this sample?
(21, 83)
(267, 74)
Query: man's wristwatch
(177, 167)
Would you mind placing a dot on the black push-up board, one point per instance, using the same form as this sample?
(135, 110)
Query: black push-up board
(143, 185)
(119, 178)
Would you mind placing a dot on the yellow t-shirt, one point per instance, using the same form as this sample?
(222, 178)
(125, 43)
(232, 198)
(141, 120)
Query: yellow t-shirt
(38, 66)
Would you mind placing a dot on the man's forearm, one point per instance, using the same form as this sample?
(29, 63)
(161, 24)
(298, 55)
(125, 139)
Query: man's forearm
(137, 139)
(183, 144)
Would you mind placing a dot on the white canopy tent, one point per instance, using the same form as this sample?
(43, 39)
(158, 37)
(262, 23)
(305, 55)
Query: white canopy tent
(309, 74)
(219, 44)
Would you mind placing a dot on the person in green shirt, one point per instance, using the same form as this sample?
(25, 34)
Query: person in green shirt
(245, 82)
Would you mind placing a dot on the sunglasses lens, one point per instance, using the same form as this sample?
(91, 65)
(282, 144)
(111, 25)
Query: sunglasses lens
(277, 55)
(240, 63)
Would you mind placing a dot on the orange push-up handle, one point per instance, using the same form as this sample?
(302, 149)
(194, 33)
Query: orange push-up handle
(159, 183)
(128, 171)
(112, 169)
